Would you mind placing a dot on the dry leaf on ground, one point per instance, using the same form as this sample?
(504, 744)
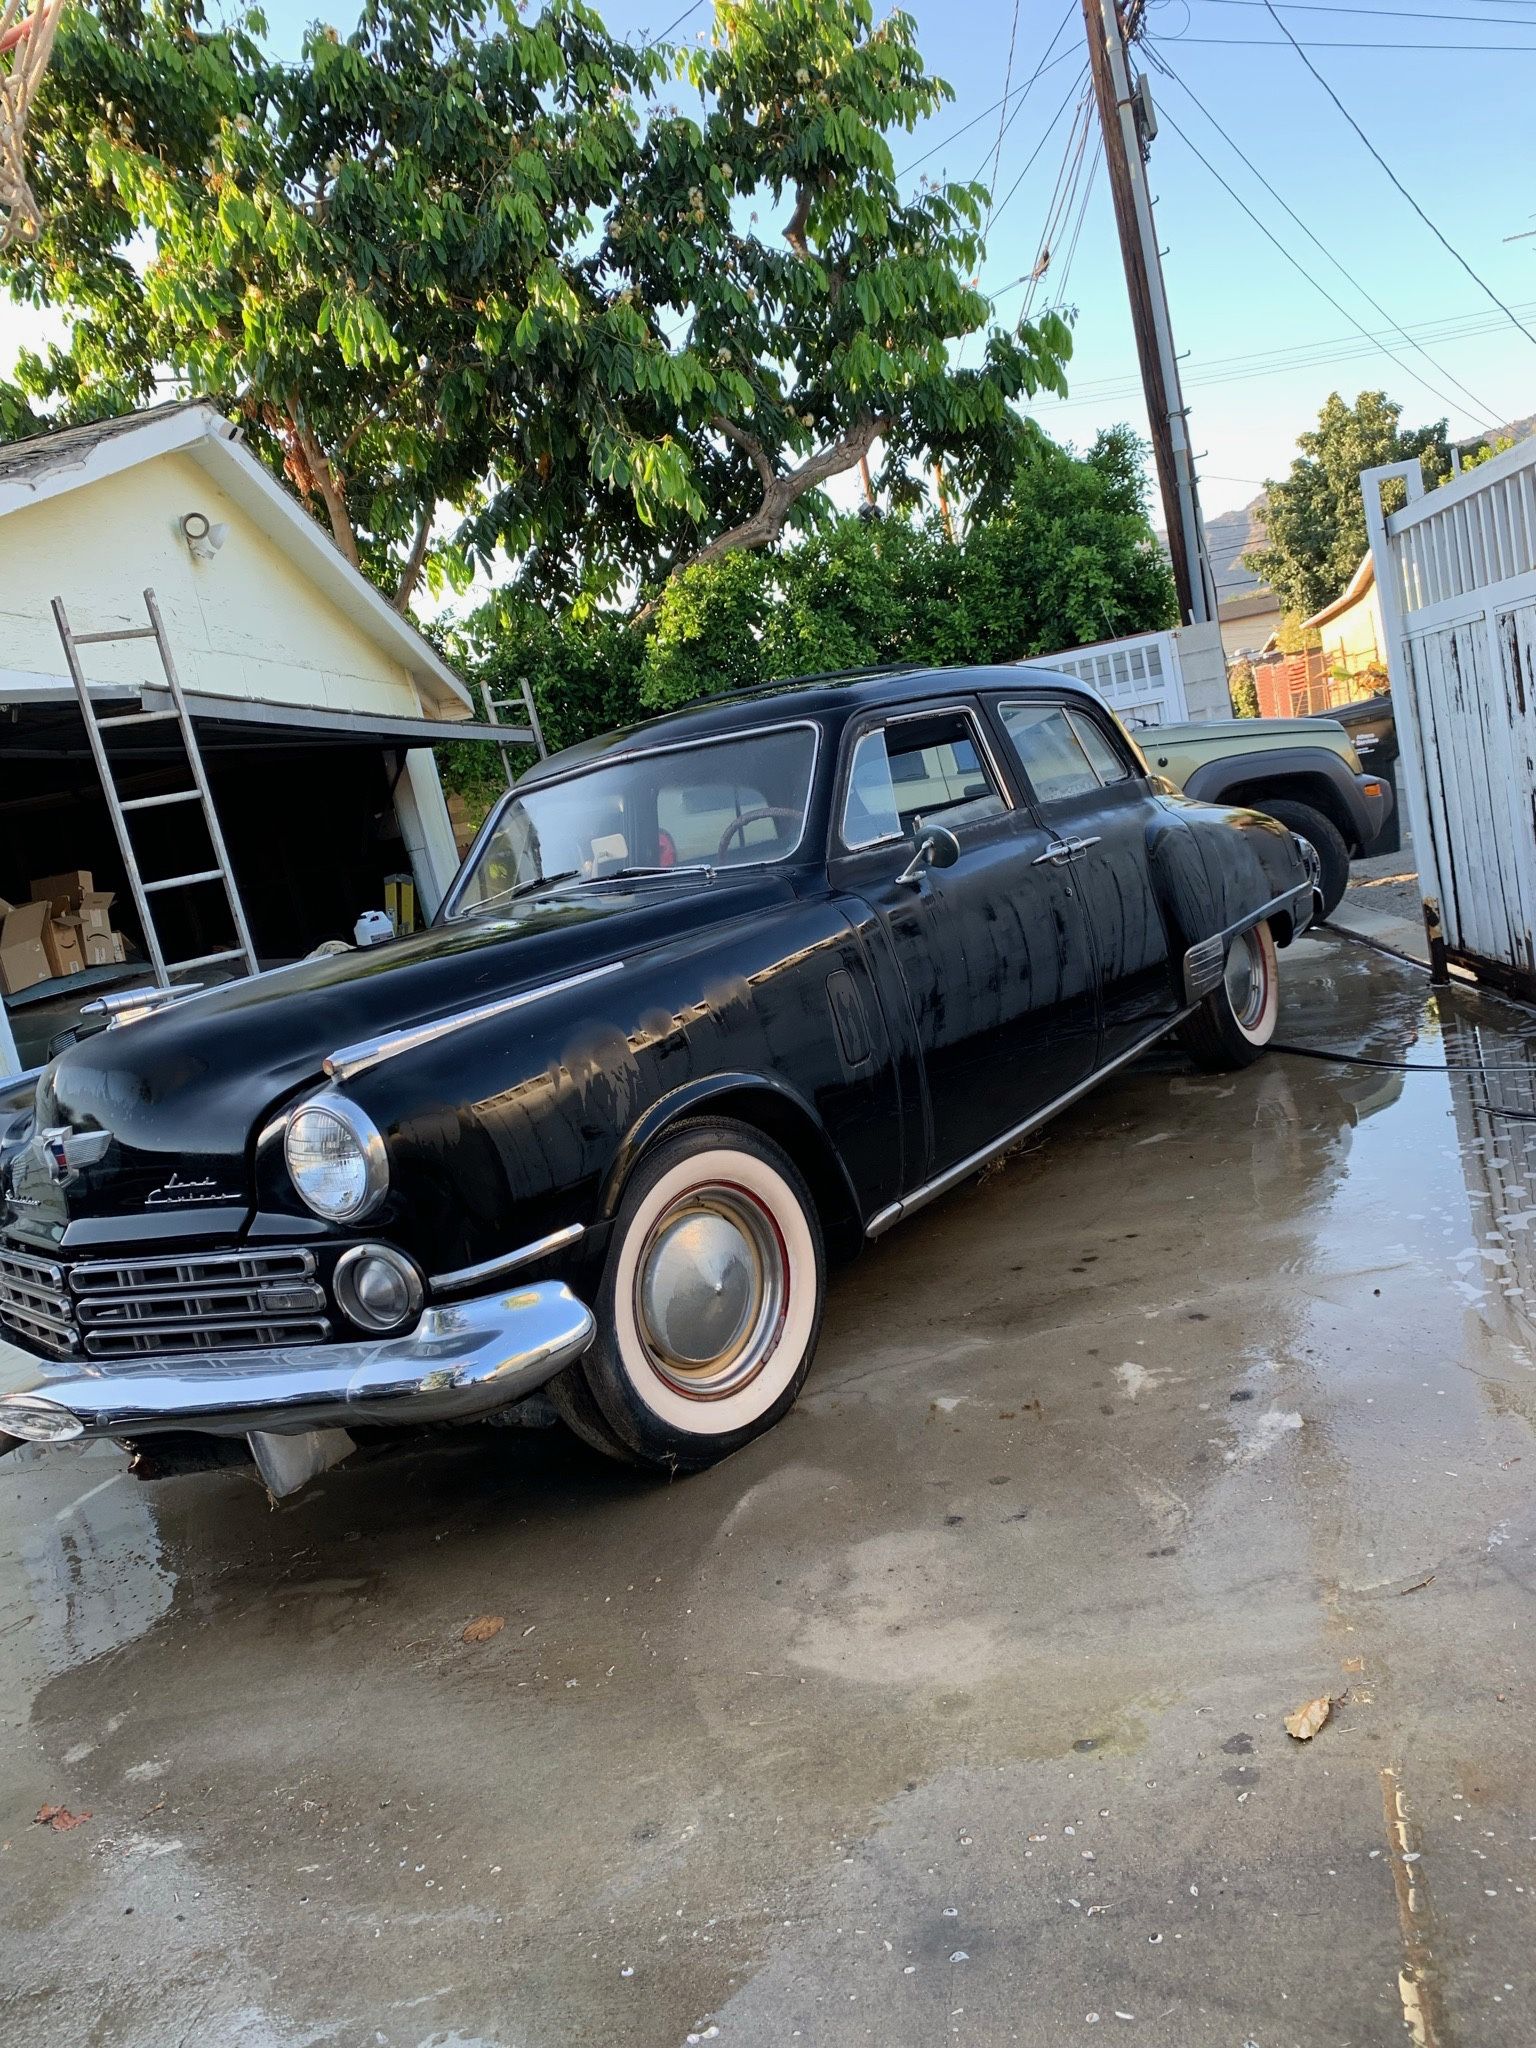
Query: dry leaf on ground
(1306, 1721)
(484, 1627)
(59, 1818)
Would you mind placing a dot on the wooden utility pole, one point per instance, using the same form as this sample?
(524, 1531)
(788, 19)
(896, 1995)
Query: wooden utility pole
(1118, 103)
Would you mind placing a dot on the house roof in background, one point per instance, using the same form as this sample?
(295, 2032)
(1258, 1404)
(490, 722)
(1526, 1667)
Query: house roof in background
(1363, 580)
(47, 465)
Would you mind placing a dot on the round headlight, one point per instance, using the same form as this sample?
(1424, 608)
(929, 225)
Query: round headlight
(376, 1287)
(336, 1158)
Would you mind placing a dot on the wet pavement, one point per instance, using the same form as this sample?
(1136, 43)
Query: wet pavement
(953, 1710)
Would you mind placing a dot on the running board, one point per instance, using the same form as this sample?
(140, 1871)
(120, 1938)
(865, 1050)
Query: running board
(898, 1212)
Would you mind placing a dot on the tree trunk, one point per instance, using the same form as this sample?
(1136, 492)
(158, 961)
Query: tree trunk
(410, 575)
(322, 478)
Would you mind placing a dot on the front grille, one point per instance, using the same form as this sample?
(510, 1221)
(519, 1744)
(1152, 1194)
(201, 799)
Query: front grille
(154, 1307)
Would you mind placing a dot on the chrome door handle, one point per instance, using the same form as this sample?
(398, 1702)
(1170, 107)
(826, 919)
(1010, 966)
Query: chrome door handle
(1058, 853)
(1081, 846)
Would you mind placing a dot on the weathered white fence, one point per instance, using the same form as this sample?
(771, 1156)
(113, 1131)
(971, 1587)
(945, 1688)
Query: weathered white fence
(1140, 678)
(1456, 576)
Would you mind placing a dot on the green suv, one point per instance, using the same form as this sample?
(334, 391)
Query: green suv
(1303, 771)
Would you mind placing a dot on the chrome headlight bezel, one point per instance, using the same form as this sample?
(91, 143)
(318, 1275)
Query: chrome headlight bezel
(365, 1136)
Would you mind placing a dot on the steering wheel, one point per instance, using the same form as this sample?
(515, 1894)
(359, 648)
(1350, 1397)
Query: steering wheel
(751, 818)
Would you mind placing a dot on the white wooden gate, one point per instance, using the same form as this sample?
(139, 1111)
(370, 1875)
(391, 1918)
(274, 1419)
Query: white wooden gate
(1456, 578)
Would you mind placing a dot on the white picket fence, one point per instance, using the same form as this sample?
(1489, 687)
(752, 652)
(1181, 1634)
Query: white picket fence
(1456, 576)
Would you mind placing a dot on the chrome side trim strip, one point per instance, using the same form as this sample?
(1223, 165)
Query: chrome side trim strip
(348, 1060)
(898, 1212)
(492, 1269)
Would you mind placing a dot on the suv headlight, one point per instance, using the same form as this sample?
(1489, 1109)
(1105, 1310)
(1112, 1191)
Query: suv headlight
(336, 1158)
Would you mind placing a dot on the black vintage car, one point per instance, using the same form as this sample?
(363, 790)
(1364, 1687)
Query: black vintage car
(711, 1000)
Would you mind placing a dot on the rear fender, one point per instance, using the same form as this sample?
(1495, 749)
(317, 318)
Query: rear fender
(1306, 775)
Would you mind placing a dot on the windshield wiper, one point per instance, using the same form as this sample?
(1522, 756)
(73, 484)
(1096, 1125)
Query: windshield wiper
(682, 867)
(520, 889)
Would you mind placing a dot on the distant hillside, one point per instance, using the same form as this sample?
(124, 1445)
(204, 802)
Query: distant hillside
(1229, 536)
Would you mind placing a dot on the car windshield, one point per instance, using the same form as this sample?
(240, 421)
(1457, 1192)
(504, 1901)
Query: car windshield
(723, 803)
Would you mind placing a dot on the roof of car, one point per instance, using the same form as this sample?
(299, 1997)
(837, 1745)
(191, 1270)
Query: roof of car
(829, 695)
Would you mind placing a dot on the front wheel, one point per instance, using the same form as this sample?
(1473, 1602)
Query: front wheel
(711, 1300)
(1236, 1021)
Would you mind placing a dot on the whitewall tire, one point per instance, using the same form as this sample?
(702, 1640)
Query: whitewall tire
(1236, 1021)
(711, 1300)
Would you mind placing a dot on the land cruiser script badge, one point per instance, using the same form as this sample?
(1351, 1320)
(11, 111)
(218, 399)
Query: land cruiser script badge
(178, 1190)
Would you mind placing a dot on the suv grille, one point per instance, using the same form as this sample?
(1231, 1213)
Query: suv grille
(125, 1308)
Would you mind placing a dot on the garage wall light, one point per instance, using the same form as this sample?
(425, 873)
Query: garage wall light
(203, 536)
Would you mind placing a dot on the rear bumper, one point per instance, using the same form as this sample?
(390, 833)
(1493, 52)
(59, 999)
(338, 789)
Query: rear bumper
(461, 1361)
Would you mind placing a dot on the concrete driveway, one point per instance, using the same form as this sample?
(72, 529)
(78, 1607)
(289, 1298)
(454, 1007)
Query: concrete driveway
(951, 1711)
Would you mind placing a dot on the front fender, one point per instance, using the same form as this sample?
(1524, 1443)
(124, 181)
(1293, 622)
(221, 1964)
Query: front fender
(770, 1104)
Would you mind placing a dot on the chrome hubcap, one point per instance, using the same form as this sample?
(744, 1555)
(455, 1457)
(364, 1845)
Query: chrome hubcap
(1247, 980)
(711, 1285)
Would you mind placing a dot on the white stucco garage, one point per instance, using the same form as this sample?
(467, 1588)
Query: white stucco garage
(316, 704)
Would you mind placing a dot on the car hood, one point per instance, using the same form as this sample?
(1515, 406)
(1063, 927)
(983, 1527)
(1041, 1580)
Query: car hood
(182, 1093)
(1223, 732)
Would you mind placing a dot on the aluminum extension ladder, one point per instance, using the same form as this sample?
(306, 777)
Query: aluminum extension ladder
(121, 808)
(496, 705)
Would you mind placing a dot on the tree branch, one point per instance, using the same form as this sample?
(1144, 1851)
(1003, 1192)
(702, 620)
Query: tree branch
(410, 575)
(780, 493)
(749, 445)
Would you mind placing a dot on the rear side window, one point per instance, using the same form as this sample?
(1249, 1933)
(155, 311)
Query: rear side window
(916, 771)
(1108, 765)
(1063, 752)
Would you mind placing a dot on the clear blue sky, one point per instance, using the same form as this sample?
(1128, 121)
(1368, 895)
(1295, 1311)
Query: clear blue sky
(1454, 123)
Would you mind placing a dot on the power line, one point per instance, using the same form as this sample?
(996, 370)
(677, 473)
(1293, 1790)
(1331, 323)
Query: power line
(1317, 242)
(1247, 368)
(1396, 180)
(1297, 265)
(1396, 49)
(1002, 119)
(1007, 120)
(1384, 13)
(662, 34)
(976, 119)
(1073, 90)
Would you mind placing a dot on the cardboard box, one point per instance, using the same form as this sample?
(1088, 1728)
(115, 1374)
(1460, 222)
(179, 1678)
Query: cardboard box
(23, 956)
(61, 944)
(98, 948)
(63, 892)
(119, 951)
(91, 911)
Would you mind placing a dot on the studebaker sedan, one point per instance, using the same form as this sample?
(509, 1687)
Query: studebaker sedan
(711, 1000)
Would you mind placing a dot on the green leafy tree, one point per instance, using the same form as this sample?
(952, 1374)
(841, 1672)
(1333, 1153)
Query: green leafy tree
(459, 259)
(1068, 556)
(1314, 520)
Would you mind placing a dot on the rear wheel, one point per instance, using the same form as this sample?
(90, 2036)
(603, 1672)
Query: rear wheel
(1326, 841)
(1236, 1021)
(710, 1304)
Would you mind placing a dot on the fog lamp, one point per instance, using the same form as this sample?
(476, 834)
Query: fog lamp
(377, 1287)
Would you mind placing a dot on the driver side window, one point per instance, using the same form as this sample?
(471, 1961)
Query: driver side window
(914, 772)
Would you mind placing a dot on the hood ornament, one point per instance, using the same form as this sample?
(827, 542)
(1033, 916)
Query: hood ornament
(133, 1003)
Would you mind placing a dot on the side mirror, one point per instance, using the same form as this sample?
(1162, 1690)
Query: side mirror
(937, 847)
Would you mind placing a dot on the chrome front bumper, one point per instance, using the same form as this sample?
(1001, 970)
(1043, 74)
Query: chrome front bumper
(461, 1361)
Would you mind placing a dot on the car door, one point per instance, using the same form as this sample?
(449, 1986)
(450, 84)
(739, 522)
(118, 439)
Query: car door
(992, 954)
(1093, 796)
